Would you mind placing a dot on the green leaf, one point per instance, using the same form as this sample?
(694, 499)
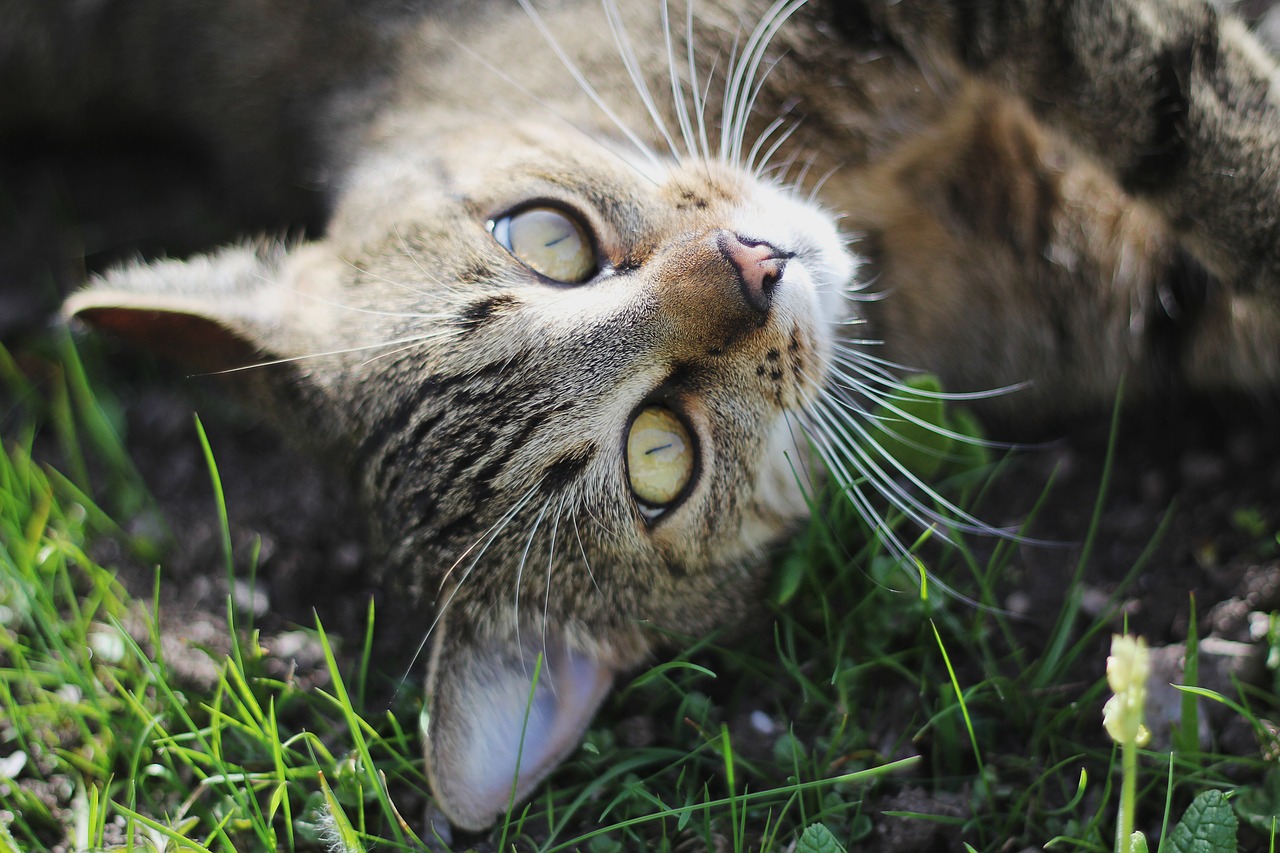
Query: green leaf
(818, 839)
(1209, 826)
(906, 426)
(788, 578)
(967, 455)
(1257, 805)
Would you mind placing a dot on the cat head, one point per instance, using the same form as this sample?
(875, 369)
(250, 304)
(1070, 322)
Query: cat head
(569, 378)
(568, 385)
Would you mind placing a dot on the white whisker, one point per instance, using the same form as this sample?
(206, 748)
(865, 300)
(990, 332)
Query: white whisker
(546, 599)
(870, 467)
(524, 558)
(677, 89)
(745, 79)
(483, 541)
(587, 133)
(416, 339)
(879, 375)
(430, 276)
(805, 170)
(569, 65)
(817, 188)
(632, 65)
(760, 170)
(586, 561)
(423, 340)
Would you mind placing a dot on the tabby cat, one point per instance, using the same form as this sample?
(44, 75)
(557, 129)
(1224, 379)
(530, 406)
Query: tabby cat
(604, 287)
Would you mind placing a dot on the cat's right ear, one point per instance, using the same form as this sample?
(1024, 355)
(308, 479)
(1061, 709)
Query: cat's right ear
(502, 713)
(213, 312)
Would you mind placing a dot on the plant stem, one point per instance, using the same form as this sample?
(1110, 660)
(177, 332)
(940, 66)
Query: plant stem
(1128, 796)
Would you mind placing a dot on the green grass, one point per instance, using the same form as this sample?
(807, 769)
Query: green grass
(857, 701)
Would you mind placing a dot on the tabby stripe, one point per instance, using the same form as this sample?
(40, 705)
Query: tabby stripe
(477, 489)
(393, 424)
(475, 315)
(492, 469)
(392, 464)
(567, 468)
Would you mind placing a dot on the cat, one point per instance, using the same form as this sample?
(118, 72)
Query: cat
(602, 289)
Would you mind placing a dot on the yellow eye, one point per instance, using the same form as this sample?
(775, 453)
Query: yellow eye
(659, 458)
(549, 242)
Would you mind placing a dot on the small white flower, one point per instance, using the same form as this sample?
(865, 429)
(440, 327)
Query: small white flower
(1128, 667)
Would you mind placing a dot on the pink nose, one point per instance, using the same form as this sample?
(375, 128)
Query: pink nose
(760, 266)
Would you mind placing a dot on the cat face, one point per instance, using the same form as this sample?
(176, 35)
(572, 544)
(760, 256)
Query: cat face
(569, 293)
(570, 386)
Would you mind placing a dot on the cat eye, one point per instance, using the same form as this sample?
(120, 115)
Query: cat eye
(549, 241)
(660, 457)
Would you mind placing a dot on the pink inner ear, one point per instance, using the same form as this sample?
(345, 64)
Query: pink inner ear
(484, 726)
(195, 340)
(569, 688)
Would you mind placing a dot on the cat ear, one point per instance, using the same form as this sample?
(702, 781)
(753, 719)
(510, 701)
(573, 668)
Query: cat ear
(214, 311)
(487, 718)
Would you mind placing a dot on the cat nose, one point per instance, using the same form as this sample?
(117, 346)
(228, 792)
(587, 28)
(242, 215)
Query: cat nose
(759, 264)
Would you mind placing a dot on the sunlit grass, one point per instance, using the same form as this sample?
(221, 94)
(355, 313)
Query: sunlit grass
(853, 686)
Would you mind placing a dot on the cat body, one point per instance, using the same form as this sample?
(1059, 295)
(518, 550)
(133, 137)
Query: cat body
(578, 328)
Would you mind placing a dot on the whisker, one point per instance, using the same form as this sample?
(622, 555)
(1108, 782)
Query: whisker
(400, 284)
(541, 25)
(434, 336)
(700, 103)
(760, 141)
(487, 538)
(805, 170)
(632, 65)
(881, 376)
(546, 600)
(524, 558)
(741, 95)
(583, 550)
(817, 188)
(483, 541)
(278, 361)
(871, 468)
(590, 135)
(417, 262)
(406, 315)
(782, 171)
(731, 84)
(677, 89)
(834, 459)
(817, 428)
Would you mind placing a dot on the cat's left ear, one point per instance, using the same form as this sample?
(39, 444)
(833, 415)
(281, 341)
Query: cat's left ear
(502, 715)
(215, 312)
